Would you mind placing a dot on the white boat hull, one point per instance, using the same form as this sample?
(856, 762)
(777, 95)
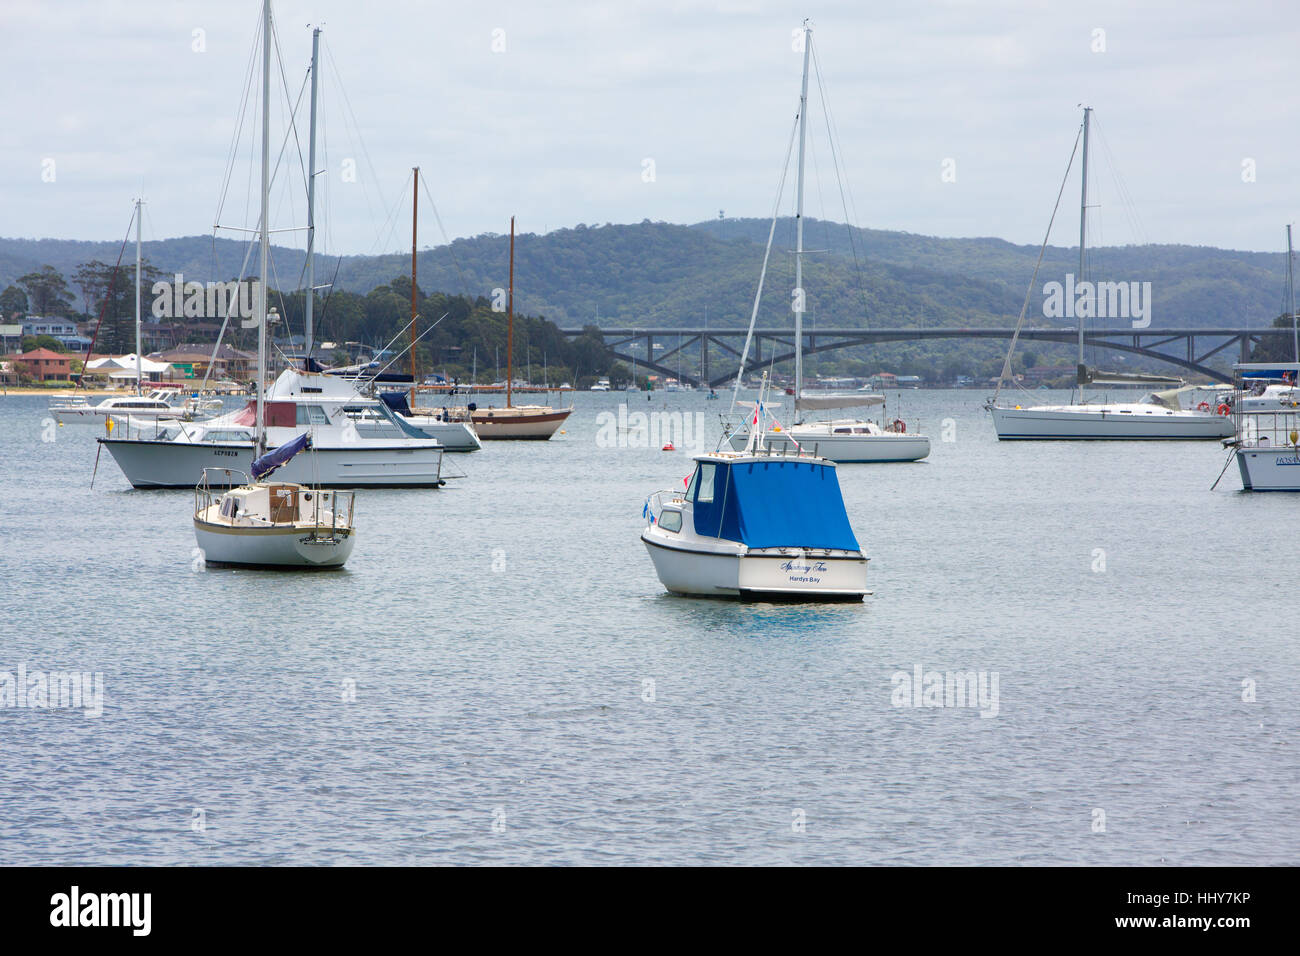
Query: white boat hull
(844, 449)
(272, 547)
(1274, 468)
(453, 436)
(97, 416)
(163, 464)
(1108, 422)
(767, 575)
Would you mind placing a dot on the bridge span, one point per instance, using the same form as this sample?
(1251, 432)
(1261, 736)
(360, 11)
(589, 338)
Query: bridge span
(1191, 347)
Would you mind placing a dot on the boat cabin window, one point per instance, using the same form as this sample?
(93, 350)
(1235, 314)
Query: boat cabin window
(843, 431)
(671, 520)
(228, 506)
(702, 483)
(226, 435)
(312, 415)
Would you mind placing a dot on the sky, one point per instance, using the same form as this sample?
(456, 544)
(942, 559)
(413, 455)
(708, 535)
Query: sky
(952, 118)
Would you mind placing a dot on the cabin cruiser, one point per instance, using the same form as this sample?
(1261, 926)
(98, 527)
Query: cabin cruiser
(76, 410)
(385, 452)
(1267, 439)
(759, 526)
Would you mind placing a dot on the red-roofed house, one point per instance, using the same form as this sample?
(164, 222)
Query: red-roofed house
(45, 365)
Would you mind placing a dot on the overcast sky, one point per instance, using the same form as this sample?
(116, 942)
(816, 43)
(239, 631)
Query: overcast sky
(110, 98)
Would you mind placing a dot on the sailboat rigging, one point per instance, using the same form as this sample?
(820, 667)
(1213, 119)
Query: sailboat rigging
(1159, 416)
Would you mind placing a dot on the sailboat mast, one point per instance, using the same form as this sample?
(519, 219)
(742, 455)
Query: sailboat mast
(138, 363)
(1290, 294)
(415, 214)
(798, 223)
(1083, 226)
(309, 331)
(510, 317)
(265, 238)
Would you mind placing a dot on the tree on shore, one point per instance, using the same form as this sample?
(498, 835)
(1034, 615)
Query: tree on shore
(47, 292)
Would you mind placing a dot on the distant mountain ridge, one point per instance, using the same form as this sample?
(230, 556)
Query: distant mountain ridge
(666, 275)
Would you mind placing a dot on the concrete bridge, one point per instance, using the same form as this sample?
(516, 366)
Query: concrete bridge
(1191, 348)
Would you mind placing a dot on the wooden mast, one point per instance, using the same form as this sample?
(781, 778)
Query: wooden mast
(510, 318)
(415, 212)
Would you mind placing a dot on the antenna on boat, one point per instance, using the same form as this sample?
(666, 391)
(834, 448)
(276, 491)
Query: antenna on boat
(308, 336)
(510, 317)
(265, 237)
(1290, 293)
(1083, 227)
(138, 363)
(798, 222)
(415, 215)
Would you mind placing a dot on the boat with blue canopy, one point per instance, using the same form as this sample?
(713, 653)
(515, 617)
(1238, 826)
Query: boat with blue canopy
(758, 525)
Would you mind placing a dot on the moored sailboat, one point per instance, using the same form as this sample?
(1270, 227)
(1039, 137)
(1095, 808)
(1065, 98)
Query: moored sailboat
(263, 524)
(1156, 417)
(843, 440)
(524, 422)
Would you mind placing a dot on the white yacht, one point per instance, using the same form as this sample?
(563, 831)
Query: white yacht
(380, 452)
(1148, 419)
(76, 410)
(601, 386)
(1155, 417)
(756, 525)
(843, 440)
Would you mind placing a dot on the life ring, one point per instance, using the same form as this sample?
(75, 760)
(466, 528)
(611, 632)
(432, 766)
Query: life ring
(1203, 407)
(900, 426)
(1224, 409)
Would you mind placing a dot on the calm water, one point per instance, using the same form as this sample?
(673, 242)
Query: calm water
(501, 634)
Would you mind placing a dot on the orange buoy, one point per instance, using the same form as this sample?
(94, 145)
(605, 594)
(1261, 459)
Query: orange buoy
(1223, 408)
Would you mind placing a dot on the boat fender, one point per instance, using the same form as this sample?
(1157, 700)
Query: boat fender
(1203, 407)
(1223, 409)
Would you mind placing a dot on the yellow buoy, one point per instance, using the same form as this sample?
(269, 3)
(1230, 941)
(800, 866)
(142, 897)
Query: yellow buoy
(108, 425)
(1295, 438)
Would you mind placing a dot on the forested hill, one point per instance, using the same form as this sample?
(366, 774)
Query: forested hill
(660, 274)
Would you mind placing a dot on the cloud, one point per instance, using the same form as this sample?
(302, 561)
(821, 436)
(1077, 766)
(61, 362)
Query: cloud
(557, 126)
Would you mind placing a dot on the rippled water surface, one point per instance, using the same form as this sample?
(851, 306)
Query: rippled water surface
(505, 633)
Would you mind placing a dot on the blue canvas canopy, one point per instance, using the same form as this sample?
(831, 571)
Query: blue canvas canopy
(264, 466)
(396, 401)
(778, 503)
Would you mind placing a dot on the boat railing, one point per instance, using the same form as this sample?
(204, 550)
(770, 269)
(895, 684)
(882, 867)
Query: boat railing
(328, 533)
(226, 479)
(654, 504)
(1268, 428)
